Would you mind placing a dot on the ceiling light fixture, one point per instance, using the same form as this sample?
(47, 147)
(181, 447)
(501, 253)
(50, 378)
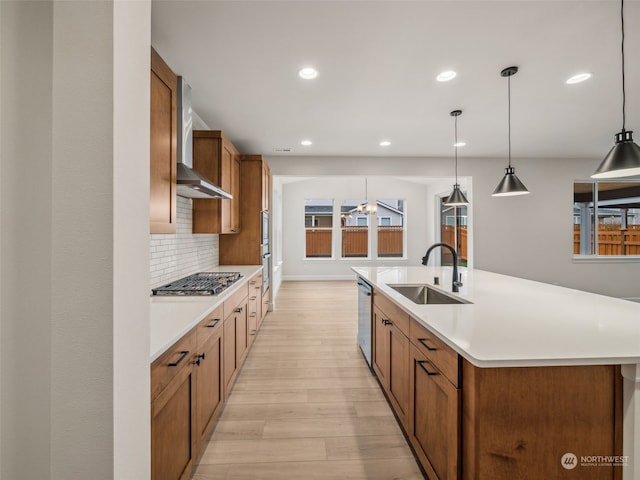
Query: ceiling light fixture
(456, 198)
(308, 73)
(578, 78)
(306, 143)
(446, 76)
(385, 143)
(365, 208)
(510, 184)
(623, 160)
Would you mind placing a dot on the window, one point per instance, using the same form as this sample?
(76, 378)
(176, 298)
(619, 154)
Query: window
(390, 227)
(606, 218)
(453, 231)
(355, 228)
(318, 223)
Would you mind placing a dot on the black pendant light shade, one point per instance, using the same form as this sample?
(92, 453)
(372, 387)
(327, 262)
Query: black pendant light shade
(510, 185)
(623, 160)
(457, 198)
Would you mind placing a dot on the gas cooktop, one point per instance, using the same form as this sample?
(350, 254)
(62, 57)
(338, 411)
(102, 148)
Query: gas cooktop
(203, 283)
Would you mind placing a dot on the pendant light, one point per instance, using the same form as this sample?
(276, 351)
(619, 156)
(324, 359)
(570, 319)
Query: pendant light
(457, 197)
(623, 160)
(365, 208)
(510, 184)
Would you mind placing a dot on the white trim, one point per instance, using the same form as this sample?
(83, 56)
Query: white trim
(606, 259)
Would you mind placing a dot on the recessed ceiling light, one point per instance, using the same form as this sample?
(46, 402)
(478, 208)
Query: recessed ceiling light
(578, 78)
(308, 73)
(446, 76)
(385, 143)
(460, 144)
(306, 143)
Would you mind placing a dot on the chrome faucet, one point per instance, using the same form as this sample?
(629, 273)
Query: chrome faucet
(455, 281)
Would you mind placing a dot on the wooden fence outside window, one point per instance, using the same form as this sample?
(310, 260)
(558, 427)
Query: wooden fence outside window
(612, 240)
(355, 241)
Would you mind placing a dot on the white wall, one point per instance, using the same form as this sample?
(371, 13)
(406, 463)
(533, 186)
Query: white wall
(529, 236)
(74, 234)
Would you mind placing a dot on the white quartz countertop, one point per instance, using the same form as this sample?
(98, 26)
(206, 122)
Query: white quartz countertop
(517, 322)
(173, 316)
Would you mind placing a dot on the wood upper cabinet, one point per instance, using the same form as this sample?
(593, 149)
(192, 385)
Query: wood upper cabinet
(215, 157)
(255, 191)
(163, 146)
(173, 438)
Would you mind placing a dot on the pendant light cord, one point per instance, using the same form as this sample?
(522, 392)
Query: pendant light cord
(622, 50)
(455, 144)
(509, 115)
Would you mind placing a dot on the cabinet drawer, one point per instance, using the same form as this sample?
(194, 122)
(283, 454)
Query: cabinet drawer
(235, 300)
(440, 355)
(393, 313)
(172, 362)
(209, 327)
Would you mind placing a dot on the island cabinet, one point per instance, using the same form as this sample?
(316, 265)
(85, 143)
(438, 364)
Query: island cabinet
(434, 406)
(235, 330)
(390, 357)
(173, 436)
(215, 157)
(470, 423)
(163, 146)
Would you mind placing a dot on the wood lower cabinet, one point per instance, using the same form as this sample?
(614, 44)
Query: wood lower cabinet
(215, 157)
(434, 418)
(173, 437)
(209, 375)
(471, 423)
(391, 355)
(163, 146)
(235, 343)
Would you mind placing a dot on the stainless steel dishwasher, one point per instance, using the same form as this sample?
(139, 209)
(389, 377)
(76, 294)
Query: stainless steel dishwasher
(365, 302)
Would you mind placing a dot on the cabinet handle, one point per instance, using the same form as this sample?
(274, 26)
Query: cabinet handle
(252, 298)
(214, 323)
(422, 362)
(238, 310)
(254, 314)
(183, 355)
(198, 359)
(423, 342)
(386, 322)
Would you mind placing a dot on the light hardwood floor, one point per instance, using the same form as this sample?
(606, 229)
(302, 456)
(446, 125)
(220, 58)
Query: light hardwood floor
(305, 405)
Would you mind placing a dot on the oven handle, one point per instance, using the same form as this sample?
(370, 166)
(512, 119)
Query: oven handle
(266, 255)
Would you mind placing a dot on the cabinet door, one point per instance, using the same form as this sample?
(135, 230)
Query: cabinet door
(266, 187)
(380, 356)
(434, 419)
(398, 388)
(209, 385)
(242, 344)
(230, 362)
(163, 147)
(172, 437)
(226, 167)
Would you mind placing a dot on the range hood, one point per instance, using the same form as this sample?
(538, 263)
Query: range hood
(190, 183)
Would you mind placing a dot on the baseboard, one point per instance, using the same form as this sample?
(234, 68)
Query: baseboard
(316, 278)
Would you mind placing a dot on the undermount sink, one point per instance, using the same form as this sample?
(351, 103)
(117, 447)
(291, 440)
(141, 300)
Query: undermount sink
(425, 295)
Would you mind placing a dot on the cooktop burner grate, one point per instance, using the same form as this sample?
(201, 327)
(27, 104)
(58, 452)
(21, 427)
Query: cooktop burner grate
(203, 283)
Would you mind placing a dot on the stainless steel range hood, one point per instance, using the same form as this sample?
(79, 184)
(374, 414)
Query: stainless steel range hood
(190, 183)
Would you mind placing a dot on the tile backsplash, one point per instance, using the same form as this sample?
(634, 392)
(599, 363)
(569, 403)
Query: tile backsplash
(180, 254)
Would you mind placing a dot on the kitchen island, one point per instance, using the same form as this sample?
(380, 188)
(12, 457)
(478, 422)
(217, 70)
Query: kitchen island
(541, 359)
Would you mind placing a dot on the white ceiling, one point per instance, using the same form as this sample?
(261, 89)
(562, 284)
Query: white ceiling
(377, 63)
